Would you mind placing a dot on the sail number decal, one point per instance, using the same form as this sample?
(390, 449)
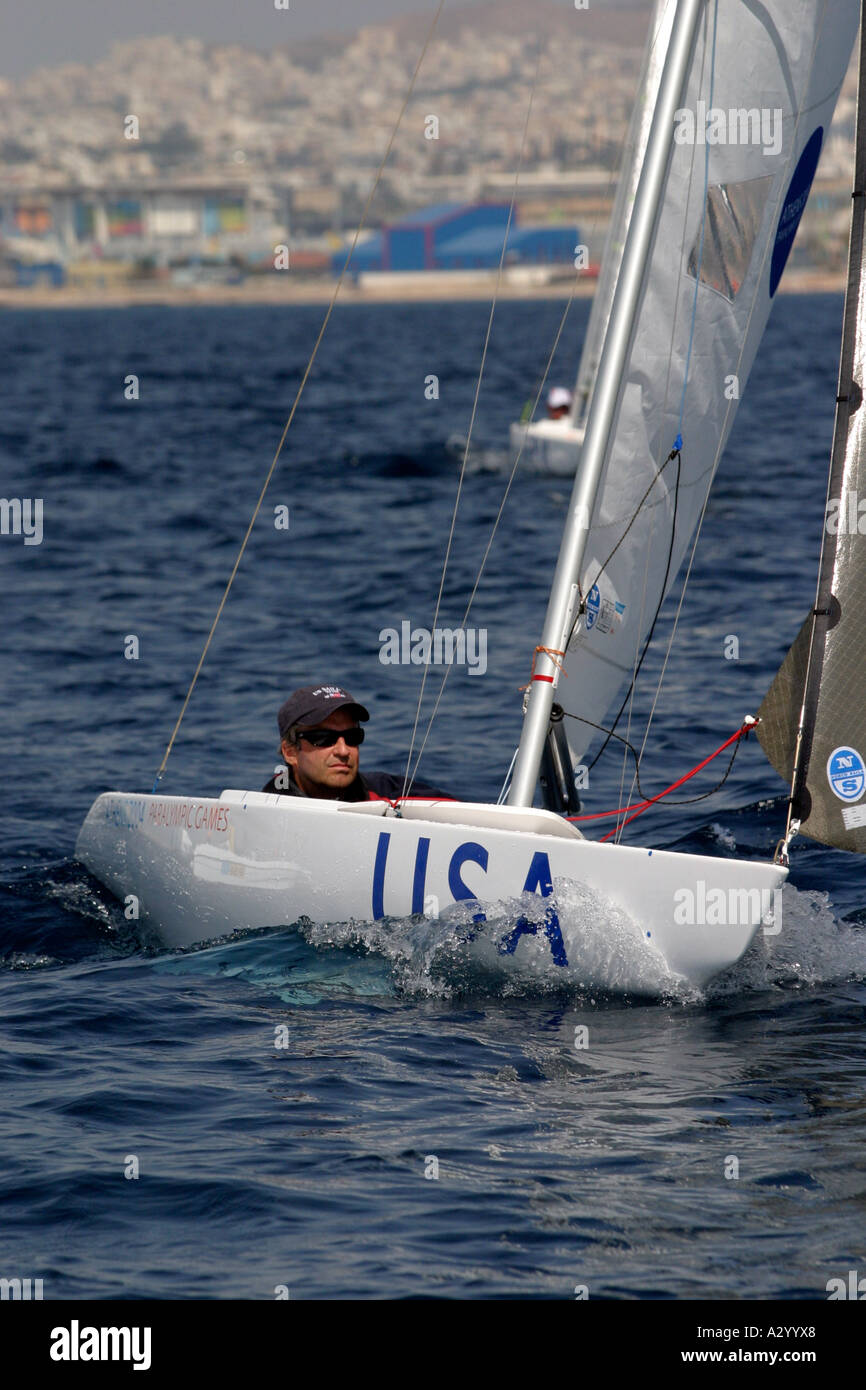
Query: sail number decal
(846, 773)
(538, 880)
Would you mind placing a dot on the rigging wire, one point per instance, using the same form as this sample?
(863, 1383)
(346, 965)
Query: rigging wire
(409, 779)
(299, 393)
(507, 782)
(493, 531)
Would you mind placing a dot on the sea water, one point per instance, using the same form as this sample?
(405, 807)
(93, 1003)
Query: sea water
(350, 1109)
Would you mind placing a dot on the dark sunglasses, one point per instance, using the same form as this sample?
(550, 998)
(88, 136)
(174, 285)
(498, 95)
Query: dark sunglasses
(326, 738)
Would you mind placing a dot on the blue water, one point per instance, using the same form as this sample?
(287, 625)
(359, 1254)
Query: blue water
(303, 1165)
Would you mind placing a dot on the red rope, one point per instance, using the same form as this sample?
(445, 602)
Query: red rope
(639, 808)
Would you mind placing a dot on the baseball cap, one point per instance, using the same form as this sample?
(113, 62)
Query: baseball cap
(313, 703)
(558, 396)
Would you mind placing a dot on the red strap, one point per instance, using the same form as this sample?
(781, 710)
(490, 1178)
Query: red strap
(553, 653)
(638, 808)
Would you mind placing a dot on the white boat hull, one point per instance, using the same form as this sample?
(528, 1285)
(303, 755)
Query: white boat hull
(532, 894)
(547, 446)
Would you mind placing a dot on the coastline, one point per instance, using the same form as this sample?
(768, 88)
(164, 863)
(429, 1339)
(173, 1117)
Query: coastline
(271, 291)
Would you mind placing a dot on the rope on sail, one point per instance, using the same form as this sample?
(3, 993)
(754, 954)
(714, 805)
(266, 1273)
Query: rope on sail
(674, 455)
(299, 392)
(409, 779)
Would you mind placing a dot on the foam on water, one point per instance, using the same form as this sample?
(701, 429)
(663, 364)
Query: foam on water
(813, 948)
(608, 950)
(452, 954)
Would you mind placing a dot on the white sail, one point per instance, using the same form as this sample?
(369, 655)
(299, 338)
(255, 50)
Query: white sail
(760, 97)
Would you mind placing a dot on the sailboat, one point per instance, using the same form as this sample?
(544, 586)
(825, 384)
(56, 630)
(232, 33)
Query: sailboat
(744, 98)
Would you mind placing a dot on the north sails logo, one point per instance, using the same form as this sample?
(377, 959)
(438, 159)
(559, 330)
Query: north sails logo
(331, 692)
(846, 773)
(76, 1343)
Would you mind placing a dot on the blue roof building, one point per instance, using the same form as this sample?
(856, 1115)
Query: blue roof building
(481, 249)
(459, 236)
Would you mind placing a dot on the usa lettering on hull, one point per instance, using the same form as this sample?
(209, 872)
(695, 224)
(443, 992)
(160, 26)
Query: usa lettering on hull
(538, 880)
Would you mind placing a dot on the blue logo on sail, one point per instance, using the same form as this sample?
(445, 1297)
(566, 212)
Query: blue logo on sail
(794, 206)
(846, 773)
(593, 604)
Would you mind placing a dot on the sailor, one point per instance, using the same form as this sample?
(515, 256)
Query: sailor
(558, 402)
(320, 736)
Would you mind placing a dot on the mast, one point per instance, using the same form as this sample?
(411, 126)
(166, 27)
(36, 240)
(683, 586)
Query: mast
(639, 242)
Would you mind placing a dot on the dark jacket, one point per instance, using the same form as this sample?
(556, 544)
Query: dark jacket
(373, 786)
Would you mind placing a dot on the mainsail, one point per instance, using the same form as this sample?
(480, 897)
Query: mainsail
(760, 95)
(813, 726)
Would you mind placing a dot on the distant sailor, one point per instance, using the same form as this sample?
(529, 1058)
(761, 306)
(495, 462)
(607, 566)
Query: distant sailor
(319, 741)
(558, 403)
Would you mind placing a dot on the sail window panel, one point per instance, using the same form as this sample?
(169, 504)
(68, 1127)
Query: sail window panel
(732, 220)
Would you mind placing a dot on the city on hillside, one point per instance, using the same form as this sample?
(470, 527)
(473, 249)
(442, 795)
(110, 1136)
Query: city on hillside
(176, 160)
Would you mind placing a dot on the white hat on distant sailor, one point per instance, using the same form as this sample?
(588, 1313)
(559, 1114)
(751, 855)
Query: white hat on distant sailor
(557, 397)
